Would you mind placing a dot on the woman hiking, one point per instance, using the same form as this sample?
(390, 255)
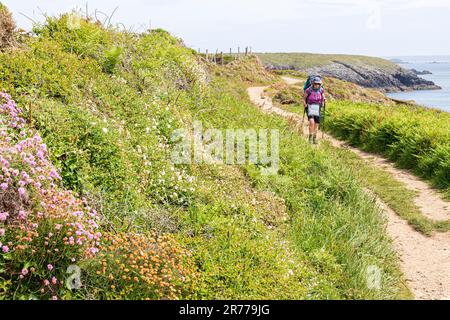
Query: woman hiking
(313, 100)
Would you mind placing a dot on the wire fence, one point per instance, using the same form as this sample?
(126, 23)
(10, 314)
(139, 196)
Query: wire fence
(223, 58)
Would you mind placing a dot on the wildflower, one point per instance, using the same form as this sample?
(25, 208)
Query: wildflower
(22, 215)
(54, 280)
(24, 271)
(54, 298)
(54, 174)
(21, 191)
(50, 267)
(3, 216)
(2, 232)
(5, 249)
(4, 186)
(46, 283)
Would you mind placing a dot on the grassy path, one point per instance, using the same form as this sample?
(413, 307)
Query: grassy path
(425, 260)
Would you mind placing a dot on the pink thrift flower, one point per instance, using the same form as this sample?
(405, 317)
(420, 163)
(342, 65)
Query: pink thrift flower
(24, 271)
(54, 280)
(22, 214)
(46, 283)
(3, 216)
(2, 232)
(21, 191)
(54, 298)
(4, 186)
(53, 174)
(5, 249)
(50, 267)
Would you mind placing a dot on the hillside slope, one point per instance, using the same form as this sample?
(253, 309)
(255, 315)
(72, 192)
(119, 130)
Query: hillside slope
(106, 105)
(336, 90)
(366, 71)
(424, 258)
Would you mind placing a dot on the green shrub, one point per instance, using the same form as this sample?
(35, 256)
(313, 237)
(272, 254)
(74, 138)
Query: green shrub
(112, 59)
(415, 138)
(77, 35)
(109, 134)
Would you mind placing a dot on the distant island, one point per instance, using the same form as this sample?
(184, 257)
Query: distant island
(398, 61)
(419, 73)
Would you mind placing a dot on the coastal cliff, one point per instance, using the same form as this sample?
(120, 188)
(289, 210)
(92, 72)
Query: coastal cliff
(369, 72)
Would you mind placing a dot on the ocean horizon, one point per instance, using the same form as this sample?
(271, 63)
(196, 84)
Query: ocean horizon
(439, 66)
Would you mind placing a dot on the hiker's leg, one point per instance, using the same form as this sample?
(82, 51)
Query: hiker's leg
(311, 129)
(316, 127)
(312, 124)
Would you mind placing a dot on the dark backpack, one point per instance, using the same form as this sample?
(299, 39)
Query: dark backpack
(308, 82)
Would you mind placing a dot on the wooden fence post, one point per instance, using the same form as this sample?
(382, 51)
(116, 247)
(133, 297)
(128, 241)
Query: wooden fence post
(207, 57)
(221, 57)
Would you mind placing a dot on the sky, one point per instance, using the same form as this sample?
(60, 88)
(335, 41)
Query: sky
(371, 27)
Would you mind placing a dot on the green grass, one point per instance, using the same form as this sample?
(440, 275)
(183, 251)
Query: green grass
(304, 61)
(107, 116)
(414, 138)
(332, 219)
(393, 192)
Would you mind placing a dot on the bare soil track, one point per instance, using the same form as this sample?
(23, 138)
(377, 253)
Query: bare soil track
(425, 261)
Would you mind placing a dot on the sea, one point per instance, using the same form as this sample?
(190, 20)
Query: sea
(439, 66)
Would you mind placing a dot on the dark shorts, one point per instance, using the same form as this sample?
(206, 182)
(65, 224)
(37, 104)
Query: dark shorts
(316, 118)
